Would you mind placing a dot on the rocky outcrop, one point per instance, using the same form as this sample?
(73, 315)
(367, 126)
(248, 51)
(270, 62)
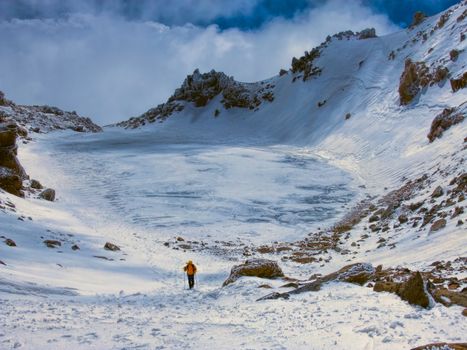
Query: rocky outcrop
(200, 88)
(262, 268)
(413, 290)
(12, 173)
(48, 194)
(416, 76)
(418, 18)
(358, 273)
(459, 83)
(443, 121)
(44, 118)
(112, 247)
(305, 64)
(367, 33)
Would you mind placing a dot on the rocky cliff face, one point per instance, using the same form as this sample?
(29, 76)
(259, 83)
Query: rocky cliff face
(12, 173)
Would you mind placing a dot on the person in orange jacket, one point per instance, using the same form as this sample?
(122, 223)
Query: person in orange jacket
(190, 270)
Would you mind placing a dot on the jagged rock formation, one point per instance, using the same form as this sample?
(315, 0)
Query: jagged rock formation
(459, 83)
(199, 89)
(417, 75)
(443, 121)
(44, 118)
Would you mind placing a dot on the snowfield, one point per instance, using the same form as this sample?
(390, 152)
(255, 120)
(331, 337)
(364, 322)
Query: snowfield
(242, 178)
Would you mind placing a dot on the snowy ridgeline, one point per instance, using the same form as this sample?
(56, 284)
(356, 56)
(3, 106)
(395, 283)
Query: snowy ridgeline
(355, 154)
(38, 119)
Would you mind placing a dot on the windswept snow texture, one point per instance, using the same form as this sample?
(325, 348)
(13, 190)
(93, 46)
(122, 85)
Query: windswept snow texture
(255, 193)
(249, 177)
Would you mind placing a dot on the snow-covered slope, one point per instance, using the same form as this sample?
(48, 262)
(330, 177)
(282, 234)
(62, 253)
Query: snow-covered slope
(318, 167)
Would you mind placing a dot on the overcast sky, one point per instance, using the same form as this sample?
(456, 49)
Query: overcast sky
(113, 59)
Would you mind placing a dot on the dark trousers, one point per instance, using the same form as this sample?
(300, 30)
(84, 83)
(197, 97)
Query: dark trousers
(191, 281)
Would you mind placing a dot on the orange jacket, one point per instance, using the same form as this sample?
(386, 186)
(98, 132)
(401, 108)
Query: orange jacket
(190, 269)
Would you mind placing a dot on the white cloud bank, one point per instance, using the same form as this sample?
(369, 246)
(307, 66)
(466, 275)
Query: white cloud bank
(110, 69)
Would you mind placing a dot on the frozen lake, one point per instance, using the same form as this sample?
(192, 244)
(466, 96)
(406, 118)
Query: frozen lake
(203, 191)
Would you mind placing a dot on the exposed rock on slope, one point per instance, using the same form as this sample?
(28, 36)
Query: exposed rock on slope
(199, 89)
(443, 121)
(12, 173)
(255, 267)
(416, 76)
(45, 118)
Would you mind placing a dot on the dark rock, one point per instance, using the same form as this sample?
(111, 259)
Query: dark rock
(10, 181)
(290, 285)
(418, 18)
(111, 246)
(180, 239)
(443, 121)
(449, 297)
(454, 54)
(52, 243)
(374, 218)
(414, 291)
(2, 263)
(9, 242)
(103, 257)
(442, 346)
(438, 192)
(438, 225)
(358, 273)
(282, 72)
(459, 83)
(348, 116)
(75, 247)
(403, 218)
(48, 194)
(384, 286)
(265, 286)
(36, 185)
(262, 268)
(367, 33)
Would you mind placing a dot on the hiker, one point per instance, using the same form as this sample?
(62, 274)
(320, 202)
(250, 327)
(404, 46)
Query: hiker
(190, 270)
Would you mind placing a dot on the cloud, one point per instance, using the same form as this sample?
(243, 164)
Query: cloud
(110, 68)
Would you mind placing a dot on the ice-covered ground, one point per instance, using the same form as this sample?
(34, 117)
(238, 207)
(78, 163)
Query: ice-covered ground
(198, 191)
(138, 197)
(244, 176)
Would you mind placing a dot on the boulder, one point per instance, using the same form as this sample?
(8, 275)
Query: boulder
(111, 247)
(449, 297)
(10, 181)
(414, 292)
(438, 225)
(9, 242)
(262, 268)
(48, 194)
(403, 218)
(52, 243)
(36, 185)
(438, 192)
